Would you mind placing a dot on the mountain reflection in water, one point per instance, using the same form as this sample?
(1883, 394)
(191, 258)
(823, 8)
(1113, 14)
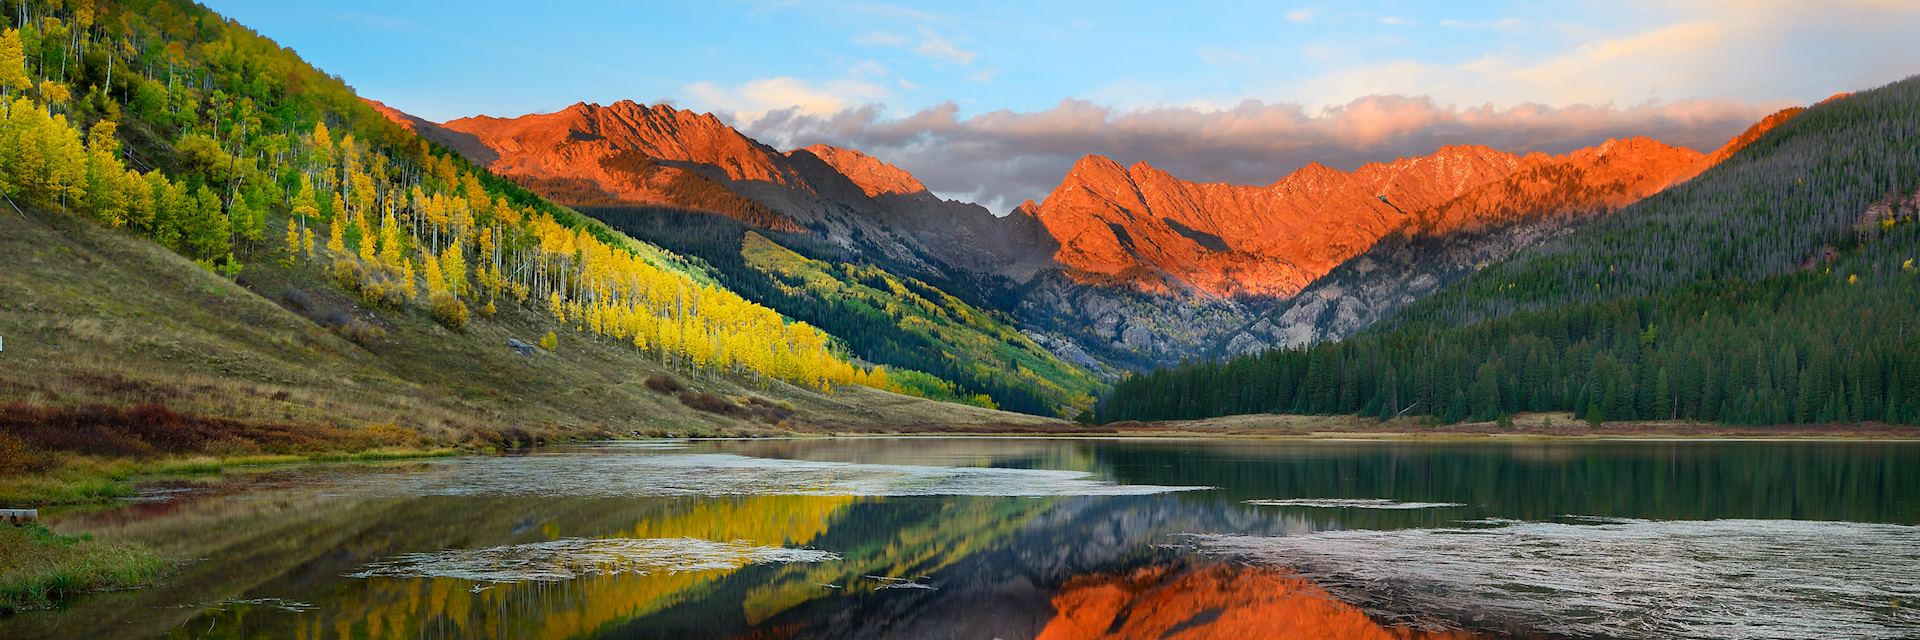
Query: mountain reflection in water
(989, 538)
(1170, 602)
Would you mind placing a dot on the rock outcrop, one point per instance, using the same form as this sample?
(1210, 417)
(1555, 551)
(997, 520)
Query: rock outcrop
(1546, 196)
(1156, 232)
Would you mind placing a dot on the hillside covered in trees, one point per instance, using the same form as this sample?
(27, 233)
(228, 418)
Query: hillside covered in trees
(162, 120)
(1776, 287)
(973, 351)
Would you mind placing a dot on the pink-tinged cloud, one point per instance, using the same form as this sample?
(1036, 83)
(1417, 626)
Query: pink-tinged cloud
(1000, 158)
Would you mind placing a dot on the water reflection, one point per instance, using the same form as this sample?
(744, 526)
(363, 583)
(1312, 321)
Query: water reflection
(1175, 602)
(991, 537)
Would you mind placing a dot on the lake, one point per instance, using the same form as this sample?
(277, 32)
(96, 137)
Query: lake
(1023, 538)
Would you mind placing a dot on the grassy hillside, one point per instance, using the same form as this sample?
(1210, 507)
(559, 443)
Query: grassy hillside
(883, 317)
(1777, 287)
(112, 319)
(213, 247)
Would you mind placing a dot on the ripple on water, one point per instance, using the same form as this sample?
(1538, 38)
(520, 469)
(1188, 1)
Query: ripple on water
(1629, 579)
(727, 474)
(570, 558)
(1353, 503)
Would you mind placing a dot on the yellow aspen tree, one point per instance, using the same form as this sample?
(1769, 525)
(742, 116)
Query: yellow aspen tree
(322, 142)
(453, 263)
(431, 273)
(406, 280)
(390, 254)
(13, 62)
(105, 197)
(366, 236)
(337, 236)
(293, 242)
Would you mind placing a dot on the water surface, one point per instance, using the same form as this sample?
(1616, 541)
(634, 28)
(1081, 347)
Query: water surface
(1052, 538)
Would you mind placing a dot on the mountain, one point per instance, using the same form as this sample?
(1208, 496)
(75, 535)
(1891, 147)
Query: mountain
(906, 323)
(1142, 226)
(632, 155)
(1118, 267)
(353, 287)
(1441, 245)
(1775, 286)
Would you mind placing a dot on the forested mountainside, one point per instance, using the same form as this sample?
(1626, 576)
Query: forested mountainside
(1118, 268)
(1776, 286)
(975, 352)
(693, 184)
(163, 120)
(1439, 246)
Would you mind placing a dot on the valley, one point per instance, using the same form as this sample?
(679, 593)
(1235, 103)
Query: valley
(346, 320)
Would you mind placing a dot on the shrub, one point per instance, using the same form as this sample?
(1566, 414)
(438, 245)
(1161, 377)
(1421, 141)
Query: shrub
(663, 383)
(361, 332)
(449, 311)
(707, 402)
(549, 341)
(14, 457)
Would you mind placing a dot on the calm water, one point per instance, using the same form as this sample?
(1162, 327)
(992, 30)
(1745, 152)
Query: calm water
(1021, 538)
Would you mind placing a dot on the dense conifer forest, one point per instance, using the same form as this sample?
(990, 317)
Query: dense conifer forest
(1777, 287)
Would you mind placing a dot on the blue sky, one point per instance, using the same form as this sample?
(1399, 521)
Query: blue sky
(1022, 83)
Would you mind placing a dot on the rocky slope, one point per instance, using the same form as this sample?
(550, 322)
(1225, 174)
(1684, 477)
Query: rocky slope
(1145, 228)
(1440, 245)
(1118, 266)
(632, 155)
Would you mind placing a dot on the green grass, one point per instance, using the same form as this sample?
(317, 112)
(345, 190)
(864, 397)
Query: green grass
(39, 567)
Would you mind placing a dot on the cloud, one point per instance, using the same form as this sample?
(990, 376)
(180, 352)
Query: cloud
(934, 46)
(880, 39)
(1744, 49)
(1000, 158)
(750, 101)
(930, 45)
(1299, 15)
(1510, 25)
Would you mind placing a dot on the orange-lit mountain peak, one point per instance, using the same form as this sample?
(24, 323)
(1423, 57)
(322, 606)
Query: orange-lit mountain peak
(874, 176)
(1215, 601)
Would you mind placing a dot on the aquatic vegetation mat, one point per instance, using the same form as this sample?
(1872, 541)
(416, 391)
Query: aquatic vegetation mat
(726, 474)
(570, 558)
(1624, 578)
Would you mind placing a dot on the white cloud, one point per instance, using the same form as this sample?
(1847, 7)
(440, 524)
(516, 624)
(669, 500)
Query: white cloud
(1000, 158)
(1736, 49)
(748, 102)
(1510, 25)
(934, 46)
(1299, 15)
(880, 39)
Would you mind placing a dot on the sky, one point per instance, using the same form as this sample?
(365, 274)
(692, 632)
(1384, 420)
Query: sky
(993, 101)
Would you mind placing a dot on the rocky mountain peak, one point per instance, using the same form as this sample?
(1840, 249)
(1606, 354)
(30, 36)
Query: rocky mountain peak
(874, 176)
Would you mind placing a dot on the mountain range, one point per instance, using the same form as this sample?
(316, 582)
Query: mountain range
(670, 261)
(1119, 267)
